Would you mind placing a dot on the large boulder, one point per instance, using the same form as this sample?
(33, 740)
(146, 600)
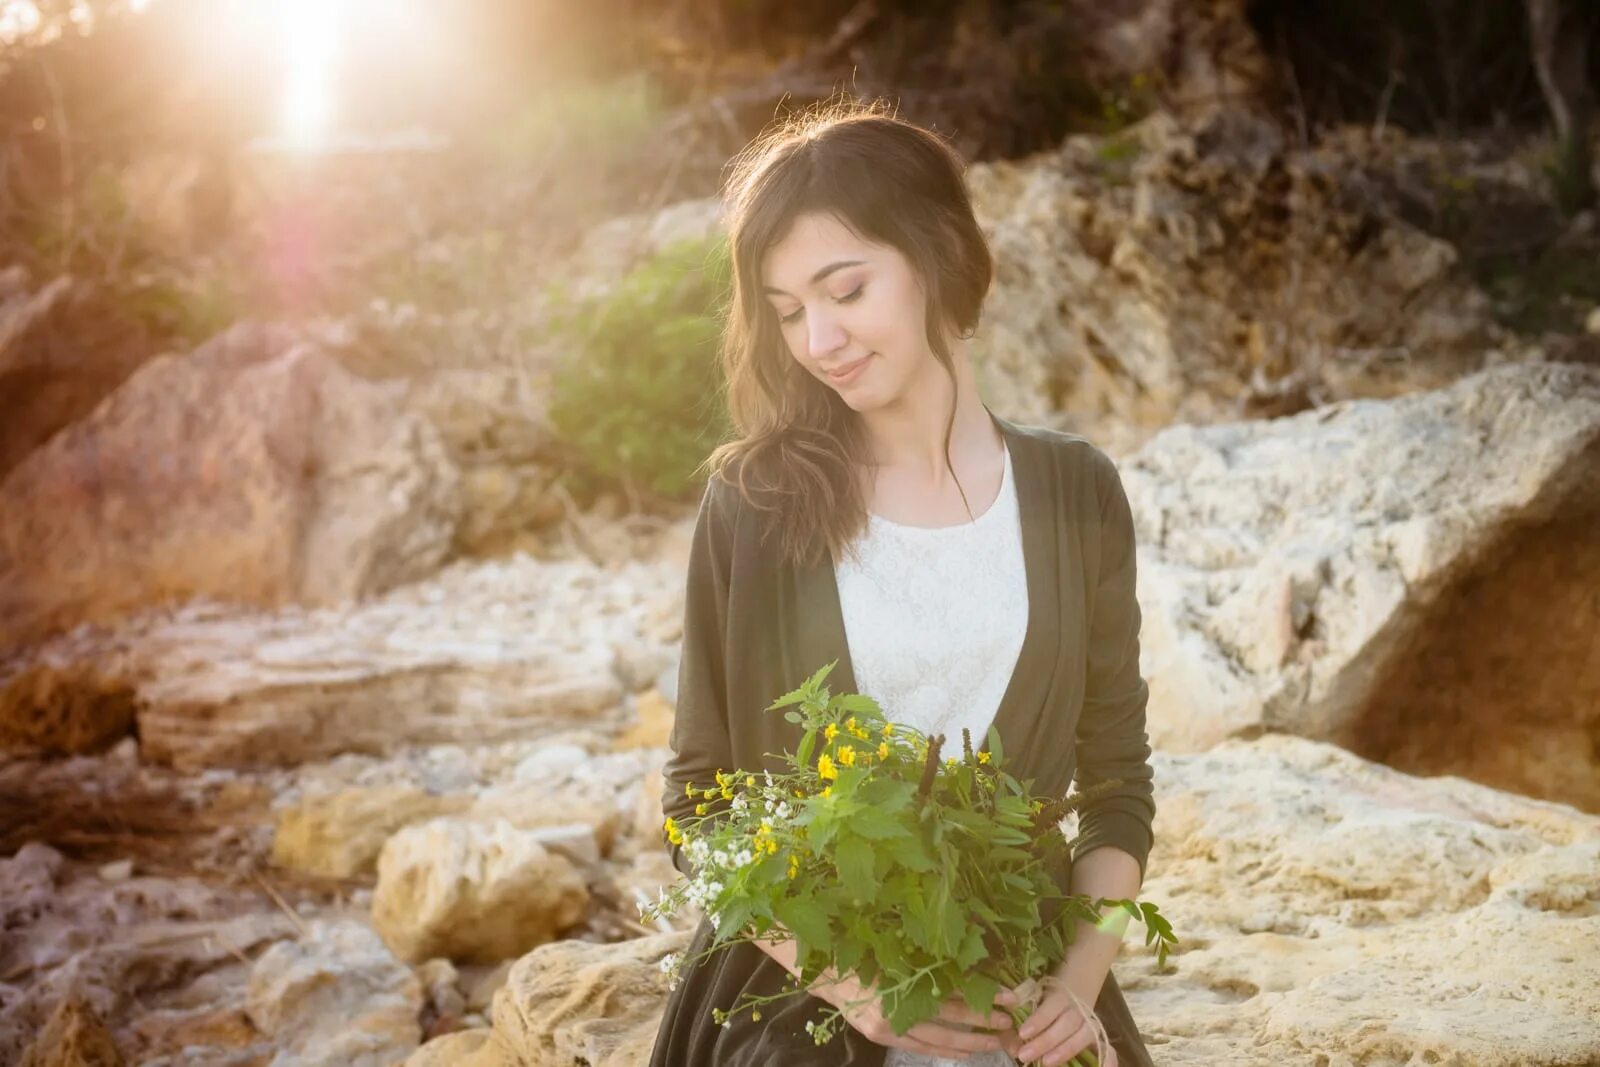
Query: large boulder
(1411, 579)
(573, 1002)
(1331, 909)
(477, 891)
(255, 469)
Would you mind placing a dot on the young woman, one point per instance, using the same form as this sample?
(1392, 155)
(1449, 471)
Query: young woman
(964, 570)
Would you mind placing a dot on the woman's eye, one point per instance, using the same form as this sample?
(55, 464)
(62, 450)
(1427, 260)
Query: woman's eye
(848, 298)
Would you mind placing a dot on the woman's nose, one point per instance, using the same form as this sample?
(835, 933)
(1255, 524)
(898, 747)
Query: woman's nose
(824, 334)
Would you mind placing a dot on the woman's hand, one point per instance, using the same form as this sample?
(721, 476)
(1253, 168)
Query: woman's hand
(1060, 1028)
(947, 1035)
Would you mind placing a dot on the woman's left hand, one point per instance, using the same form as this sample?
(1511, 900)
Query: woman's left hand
(1060, 1028)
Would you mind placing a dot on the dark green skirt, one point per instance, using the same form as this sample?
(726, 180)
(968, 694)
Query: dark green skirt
(689, 1038)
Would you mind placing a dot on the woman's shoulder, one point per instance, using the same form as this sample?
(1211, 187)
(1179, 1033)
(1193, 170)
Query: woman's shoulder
(1073, 456)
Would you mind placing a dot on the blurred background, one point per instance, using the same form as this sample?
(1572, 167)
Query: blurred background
(356, 358)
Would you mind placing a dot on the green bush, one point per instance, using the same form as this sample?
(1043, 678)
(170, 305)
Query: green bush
(638, 395)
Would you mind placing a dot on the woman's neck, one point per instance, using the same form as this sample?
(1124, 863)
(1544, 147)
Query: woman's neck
(908, 434)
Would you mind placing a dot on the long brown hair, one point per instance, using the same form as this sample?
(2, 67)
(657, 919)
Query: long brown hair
(892, 183)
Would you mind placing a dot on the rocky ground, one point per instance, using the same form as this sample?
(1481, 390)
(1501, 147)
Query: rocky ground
(331, 726)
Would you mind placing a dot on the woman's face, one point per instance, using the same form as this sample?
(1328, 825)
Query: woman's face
(846, 305)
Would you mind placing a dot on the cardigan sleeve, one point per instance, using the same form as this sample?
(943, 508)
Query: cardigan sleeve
(699, 739)
(1111, 738)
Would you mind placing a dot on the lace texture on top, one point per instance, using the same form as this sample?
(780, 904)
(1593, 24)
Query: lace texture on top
(934, 619)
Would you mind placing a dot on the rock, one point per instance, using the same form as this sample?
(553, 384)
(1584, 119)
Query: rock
(1203, 273)
(74, 1036)
(573, 1002)
(341, 835)
(1411, 579)
(444, 1004)
(1329, 907)
(465, 1048)
(654, 723)
(337, 997)
(491, 651)
(253, 470)
(49, 711)
(62, 349)
(473, 890)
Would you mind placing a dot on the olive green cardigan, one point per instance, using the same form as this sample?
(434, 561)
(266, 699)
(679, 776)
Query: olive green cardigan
(756, 626)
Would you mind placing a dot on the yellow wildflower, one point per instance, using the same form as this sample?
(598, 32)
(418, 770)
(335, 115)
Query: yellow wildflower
(701, 809)
(688, 789)
(847, 756)
(827, 791)
(983, 757)
(888, 729)
(710, 794)
(883, 750)
(850, 724)
(673, 833)
(825, 768)
(950, 761)
(772, 848)
(755, 1016)
(794, 865)
(831, 732)
(749, 781)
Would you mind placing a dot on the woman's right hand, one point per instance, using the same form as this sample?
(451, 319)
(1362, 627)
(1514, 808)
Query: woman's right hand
(947, 1035)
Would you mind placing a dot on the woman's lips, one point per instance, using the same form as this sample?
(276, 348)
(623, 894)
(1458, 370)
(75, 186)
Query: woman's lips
(850, 372)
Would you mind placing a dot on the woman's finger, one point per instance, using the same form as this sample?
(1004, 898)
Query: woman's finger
(1062, 1036)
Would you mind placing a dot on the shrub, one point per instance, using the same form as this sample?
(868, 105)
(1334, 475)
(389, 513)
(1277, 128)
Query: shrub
(638, 395)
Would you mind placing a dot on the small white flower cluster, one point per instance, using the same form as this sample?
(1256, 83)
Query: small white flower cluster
(778, 808)
(669, 966)
(703, 891)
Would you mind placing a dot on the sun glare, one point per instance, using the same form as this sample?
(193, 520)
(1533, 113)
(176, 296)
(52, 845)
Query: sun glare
(311, 37)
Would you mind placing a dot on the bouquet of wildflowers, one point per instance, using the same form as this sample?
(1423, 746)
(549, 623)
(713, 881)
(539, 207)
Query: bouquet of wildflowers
(923, 874)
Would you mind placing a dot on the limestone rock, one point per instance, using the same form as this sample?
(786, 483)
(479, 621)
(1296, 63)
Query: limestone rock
(1205, 273)
(492, 651)
(1332, 908)
(473, 890)
(341, 835)
(253, 470)
(465, 1048)
(1412, 579)
(337, 997)
(74, 1036)
(573, 1002)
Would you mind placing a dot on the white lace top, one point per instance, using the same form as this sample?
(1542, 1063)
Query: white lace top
(934, 619)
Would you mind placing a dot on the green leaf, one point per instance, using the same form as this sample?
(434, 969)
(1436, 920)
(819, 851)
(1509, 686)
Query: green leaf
(807, 744)
(972, 950)
(912, 1006)
(859, 703)
(979, 991)
(875, 825)
(855, 859)
(806, 920)
(910, 852)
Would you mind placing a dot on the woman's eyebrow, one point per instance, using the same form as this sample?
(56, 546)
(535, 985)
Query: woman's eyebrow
(817, 277)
